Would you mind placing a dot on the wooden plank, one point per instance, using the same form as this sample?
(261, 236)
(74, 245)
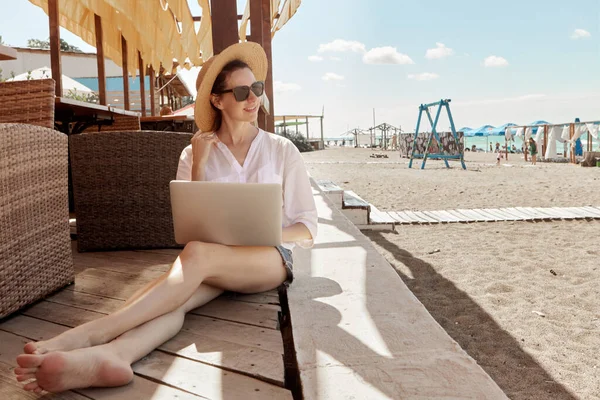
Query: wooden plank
(263, 315)
(448, 216)
(530, 215)
(414, 217)
(578, 211)
(250, 360)
(125, 66)
(460, 216)
(142, 70)
(506, 216)
(379, 217)
(595, 212)
(328, 186)
(536, 214)
(552, 213)
(352, 200)
(516, 211)
(564, 213)
(205, 380)
(490, 211)
(475, 215)
(424, 216)
(436, 215)
(399, 217)
(55, 63)
(100, 59)
(512, 212)
(544, 211)
(486, 214)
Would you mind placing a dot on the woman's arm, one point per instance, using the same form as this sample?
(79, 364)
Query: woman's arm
(296, 233)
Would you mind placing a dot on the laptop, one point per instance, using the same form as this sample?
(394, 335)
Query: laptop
(234, 214)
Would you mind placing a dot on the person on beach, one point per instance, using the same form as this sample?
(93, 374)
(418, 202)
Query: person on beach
(533, 150)
(228, 148)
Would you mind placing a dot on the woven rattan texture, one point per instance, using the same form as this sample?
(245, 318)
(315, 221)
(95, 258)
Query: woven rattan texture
(121, 188)
(35, 245)
(28, 102)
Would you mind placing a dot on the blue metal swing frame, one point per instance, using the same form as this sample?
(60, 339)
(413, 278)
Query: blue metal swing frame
(425, 108)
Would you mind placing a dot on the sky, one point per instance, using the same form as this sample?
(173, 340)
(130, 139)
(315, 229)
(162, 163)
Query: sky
(509, 61)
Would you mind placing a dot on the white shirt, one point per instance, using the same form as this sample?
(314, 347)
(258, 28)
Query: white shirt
(271, 159)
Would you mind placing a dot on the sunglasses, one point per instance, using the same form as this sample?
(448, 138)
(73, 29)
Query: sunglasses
(242, 93)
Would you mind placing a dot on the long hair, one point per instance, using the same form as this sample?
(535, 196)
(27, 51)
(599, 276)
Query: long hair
(219, 86)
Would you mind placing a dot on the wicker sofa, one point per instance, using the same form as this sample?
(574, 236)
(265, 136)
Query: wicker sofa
(28, 102)
(35, 246)
(121, 188)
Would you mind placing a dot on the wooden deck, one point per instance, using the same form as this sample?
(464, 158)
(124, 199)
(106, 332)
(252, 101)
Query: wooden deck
(231, 348)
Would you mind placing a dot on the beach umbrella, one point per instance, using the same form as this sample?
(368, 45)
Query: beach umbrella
(501, 130)
(68, 84)
(538, 122)
(481, 131)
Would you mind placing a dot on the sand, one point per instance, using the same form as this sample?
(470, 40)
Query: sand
(522, 298)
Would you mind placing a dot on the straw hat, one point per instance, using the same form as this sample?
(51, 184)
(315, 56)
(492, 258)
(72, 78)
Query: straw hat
(249, 52)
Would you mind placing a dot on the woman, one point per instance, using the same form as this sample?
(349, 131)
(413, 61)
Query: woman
(228, 148)
(533, 150)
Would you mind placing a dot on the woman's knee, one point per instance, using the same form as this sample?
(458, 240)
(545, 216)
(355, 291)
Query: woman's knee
(200, 254)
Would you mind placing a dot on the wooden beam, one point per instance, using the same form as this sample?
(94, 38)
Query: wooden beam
(53, 14)
(224, 26)
(142, 69)
(266, 44)
(198, 19)
(125, 72)
(256, 35)
(152, 92)
(100, 59)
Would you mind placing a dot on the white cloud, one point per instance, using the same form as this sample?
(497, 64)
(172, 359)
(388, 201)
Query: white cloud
(340, 45)
(333, 58)
(580, 34)
(440, 51)
(425, 76)
(330, 76)
(495, 61)
(386, 55)
(281, 87)
(315, 58)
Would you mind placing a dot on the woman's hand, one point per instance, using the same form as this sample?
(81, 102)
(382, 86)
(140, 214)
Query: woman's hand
(202, 144)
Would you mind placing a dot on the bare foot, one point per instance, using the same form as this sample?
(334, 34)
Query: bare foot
(69, 340)
(59, 371)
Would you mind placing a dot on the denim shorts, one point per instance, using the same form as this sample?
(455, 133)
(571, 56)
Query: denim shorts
(288, 263)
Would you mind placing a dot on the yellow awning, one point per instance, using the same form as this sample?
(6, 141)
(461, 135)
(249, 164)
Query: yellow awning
(162, 30)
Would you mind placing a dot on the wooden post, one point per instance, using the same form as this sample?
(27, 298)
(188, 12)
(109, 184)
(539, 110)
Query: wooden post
(53, 14)
(100, 60)
(266, 44)
(545, 140)
(125, 73)
(256, 35)
(526, 148)
(142, 69)
(572, 145)
(284, 125)
(152, 92)
(307, 134)
(224, 26)
(322, 139)
(589, 141)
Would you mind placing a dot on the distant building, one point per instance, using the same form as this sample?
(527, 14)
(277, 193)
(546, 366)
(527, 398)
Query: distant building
(83, 68)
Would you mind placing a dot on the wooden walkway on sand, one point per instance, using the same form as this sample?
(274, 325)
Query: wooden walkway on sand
(231, 348)
(485, 215)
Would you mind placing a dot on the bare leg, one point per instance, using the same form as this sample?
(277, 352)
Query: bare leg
(108, 364)
(241, 269)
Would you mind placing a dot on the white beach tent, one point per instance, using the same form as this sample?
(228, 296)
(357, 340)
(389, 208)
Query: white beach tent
(68, 84)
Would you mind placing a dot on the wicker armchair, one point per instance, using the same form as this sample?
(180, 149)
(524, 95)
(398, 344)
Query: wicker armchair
(121, 187)
(28, 102)
(35, 246)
